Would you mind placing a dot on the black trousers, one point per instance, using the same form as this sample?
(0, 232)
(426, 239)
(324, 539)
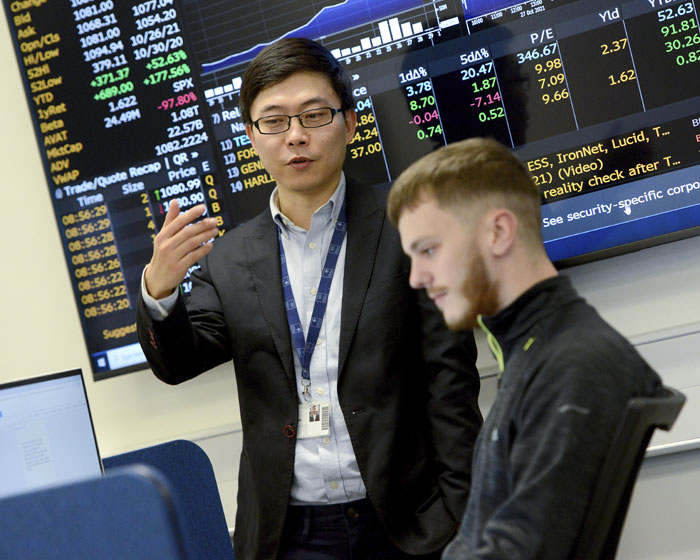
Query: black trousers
(350, 531)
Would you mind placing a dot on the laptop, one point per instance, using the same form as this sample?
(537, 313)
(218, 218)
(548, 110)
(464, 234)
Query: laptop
(46, 433)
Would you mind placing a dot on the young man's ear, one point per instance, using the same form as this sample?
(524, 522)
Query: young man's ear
(502, 231)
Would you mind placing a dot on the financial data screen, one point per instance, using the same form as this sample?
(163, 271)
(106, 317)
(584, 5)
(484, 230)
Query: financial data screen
(135, 104)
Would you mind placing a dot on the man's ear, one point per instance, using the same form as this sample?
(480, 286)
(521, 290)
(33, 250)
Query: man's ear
(249, 133)
(501, 230)
(350, 124)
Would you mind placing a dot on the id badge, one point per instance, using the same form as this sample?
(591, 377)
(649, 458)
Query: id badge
(314, 420)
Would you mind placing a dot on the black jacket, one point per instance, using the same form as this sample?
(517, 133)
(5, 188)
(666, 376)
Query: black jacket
(567, 379)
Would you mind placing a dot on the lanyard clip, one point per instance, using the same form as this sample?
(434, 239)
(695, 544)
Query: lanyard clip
(305, 393)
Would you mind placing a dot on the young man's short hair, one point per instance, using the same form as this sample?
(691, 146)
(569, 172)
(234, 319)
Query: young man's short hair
(281, 59)
(465, 172)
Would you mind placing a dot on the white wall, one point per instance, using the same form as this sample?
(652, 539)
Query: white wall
(650, 296)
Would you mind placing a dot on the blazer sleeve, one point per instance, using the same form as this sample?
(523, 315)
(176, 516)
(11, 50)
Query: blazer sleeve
(453, 408)
(192, 339)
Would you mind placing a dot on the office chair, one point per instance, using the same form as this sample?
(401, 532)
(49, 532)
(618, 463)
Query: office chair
(126, 514)
(602, 526)
(191, 476)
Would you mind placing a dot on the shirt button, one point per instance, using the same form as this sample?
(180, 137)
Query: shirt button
(320, 390)
(319, 341)
(313, 291)
(334, 484)
(312, 245)
(326, 440)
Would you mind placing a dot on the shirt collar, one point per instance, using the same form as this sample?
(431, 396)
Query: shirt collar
(334, 202)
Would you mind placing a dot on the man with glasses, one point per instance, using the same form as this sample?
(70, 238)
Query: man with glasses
(311, 301)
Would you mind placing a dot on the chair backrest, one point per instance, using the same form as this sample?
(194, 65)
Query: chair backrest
(191, 476)
(125, 514)
(602, 526)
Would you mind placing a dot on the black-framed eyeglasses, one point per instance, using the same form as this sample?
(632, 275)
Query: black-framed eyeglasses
(312, 118)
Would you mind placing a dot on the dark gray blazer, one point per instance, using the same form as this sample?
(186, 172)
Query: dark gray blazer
(407, 386)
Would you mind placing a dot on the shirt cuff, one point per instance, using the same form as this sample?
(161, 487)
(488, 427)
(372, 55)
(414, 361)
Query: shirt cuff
(157, 308)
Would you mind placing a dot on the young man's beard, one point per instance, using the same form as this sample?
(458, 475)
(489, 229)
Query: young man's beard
(480, 291)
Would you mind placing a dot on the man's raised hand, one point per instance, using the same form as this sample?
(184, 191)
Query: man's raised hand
(179, 244)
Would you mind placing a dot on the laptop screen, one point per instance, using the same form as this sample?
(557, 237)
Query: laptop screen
(46, 433)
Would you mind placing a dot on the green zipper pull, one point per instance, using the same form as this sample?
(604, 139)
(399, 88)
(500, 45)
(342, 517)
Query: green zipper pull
(493, 346)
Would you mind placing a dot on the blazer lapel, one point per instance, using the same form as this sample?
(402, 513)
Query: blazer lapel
(365, 221)
(262, 252)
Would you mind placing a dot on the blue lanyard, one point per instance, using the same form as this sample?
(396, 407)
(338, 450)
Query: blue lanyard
(305, 346)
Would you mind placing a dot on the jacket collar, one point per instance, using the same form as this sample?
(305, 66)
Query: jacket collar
(365, 222)
(509, 325)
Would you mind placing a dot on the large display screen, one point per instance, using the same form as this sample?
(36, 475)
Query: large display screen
(135, 104)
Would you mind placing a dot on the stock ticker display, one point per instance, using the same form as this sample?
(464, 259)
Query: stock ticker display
(135, 104)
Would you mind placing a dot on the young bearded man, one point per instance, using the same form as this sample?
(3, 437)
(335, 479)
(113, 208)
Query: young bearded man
(311, 301)
(469, 218)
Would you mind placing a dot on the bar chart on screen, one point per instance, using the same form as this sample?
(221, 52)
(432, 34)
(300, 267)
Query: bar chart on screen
(428, 23)
(354, 31)
(363, 26)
